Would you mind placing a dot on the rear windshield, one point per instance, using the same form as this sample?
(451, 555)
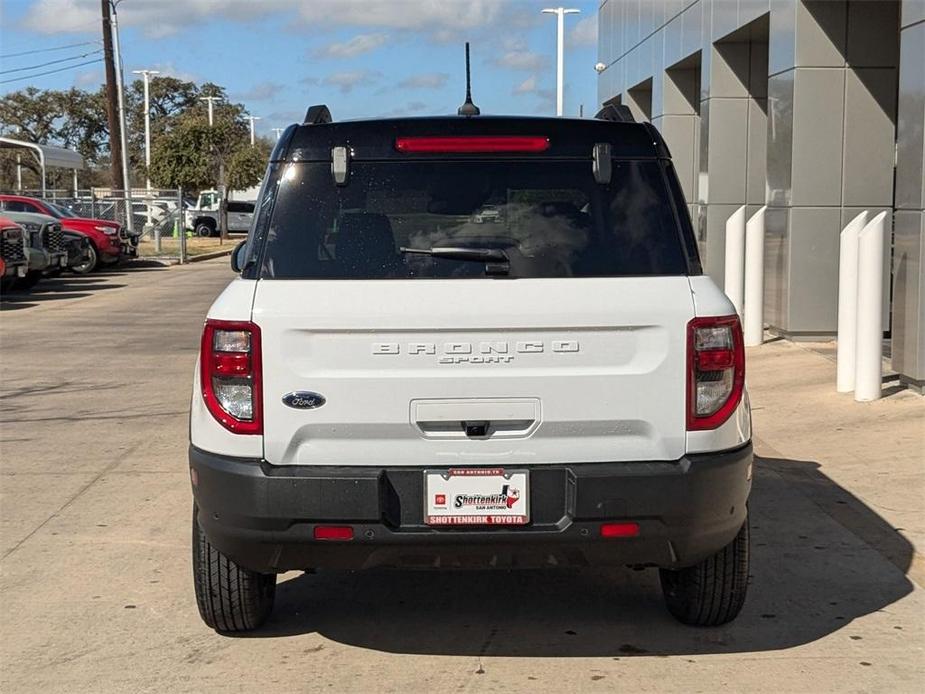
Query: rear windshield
(550, 219)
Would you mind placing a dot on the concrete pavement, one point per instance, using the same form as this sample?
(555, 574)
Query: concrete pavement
(95, 585)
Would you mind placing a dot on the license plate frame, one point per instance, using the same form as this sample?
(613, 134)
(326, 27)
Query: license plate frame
(491, 497)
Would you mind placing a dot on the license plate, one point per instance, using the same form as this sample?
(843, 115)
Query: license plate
(476, 496)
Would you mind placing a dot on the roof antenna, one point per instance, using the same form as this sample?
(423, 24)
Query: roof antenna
(468, 108)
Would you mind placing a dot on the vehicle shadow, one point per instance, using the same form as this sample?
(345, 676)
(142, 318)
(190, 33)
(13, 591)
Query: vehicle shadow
(820, 559)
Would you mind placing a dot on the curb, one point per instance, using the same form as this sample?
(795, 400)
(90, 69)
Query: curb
(209, 256)
(174, 260)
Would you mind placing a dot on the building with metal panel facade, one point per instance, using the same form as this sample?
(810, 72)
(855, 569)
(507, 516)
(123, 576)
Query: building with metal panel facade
(814, 108)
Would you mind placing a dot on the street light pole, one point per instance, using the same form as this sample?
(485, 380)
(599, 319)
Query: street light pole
(120, 91)
(278, 131)
(252, 119)
(147, 74)
(211, 100)
(560, 13)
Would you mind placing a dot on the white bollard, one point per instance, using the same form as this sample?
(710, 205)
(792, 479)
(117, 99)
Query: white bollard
(868, 376)
(753, 320)
(734, 282)
(848, 302)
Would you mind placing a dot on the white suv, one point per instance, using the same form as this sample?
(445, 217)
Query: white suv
(391, 383)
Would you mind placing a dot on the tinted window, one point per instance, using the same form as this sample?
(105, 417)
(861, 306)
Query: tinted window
(550, 218)
(20, 206)
(241, 207)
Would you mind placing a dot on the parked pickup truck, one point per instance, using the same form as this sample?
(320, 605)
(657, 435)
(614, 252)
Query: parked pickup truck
(205, 222)
(563, 386)
(47, 254)
(14, 256)
(109, 241)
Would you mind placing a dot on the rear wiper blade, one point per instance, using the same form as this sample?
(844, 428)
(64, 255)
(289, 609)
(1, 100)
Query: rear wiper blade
(492, 255)
(495, 259)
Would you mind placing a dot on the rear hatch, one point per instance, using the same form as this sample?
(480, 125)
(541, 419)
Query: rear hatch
(564, 343)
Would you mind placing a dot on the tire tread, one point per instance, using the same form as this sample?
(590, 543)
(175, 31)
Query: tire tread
(230, 598)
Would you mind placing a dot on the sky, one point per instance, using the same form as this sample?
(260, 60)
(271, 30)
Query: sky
(363, 58)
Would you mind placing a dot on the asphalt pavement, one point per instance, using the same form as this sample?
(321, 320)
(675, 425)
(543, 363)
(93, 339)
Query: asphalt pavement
(95, 581)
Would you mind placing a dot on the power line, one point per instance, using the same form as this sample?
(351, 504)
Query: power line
(50, 62)
(46, 50)
(51, 72)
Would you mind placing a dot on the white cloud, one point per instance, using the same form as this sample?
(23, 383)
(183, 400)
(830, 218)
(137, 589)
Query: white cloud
(515, 55)
(584, 33)
(91, 78)
(359, 44)
(521, 60)
(346, 81)
(160, 18)
(528, 86)
(407, 14)
(427, 80)
(260, 92)
(171, 70)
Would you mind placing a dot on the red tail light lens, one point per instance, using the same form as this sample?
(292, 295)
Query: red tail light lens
(715, 370)
(230, 375)
(465, 144)
(628, 529)
(333, 532)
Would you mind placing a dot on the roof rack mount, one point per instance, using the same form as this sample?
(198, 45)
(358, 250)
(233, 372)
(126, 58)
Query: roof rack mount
(317, 115)
(617, 113)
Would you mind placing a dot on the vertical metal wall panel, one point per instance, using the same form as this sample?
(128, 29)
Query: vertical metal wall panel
(908, 308)
(818, 112)
(870, 105)
(780, 139)
(813, 286)
(777, 267)
(910, 135)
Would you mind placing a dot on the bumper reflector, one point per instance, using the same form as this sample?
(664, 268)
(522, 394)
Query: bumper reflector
(333, 532)
(620, 530)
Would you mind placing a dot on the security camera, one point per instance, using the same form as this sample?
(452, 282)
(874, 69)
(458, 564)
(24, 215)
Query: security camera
(600, 67)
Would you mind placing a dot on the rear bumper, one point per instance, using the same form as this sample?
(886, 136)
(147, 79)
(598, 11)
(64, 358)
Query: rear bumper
(263, 516)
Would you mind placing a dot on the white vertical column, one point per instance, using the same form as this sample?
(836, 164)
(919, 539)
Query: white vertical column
(848, 302)
(868, 370)
(734, 283)
(753, 294)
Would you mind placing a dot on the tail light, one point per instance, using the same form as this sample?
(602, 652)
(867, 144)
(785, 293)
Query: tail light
(230, 375)
(715, 370)
(473, 144)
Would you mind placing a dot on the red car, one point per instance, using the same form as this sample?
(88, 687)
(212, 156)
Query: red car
(109, 241)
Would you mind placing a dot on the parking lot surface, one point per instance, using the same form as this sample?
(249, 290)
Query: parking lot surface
(95, 571)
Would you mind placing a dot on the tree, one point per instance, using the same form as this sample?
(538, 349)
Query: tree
(194, 154)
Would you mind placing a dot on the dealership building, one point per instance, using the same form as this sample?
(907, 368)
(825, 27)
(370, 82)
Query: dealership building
(813, 108)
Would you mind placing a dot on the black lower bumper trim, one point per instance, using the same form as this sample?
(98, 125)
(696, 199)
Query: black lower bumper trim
(263, 516)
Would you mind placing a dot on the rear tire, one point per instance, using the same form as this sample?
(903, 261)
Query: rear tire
(712, 592)
(230, 597)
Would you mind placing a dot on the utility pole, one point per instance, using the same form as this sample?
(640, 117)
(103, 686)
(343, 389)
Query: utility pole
(252, 119)
(112, 108)
(120, 91)
(211, 100)
(278, 131)
(560, 13)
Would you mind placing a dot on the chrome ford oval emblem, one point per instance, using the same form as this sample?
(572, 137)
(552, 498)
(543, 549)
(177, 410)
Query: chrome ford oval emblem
(303, 400)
